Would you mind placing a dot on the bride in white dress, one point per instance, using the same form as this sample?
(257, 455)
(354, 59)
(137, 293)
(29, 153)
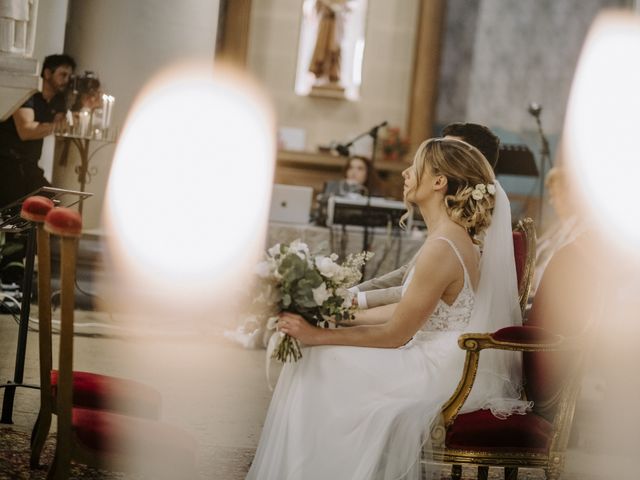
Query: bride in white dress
(360, 402)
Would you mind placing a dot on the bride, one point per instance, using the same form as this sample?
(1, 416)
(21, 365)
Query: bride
(360, 402)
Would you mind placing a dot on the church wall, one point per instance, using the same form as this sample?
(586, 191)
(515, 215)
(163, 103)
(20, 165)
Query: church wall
(50, 31)
(527, 51)
(500, 55)
(386, 75)
(126, 42)
(461, 20)
(50, 28)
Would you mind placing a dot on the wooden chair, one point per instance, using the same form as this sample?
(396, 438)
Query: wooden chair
(98, 437)
(555, 341)
(90, 390)
(524, 248)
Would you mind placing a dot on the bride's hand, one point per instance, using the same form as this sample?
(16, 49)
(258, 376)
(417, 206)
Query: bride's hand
(297, 327)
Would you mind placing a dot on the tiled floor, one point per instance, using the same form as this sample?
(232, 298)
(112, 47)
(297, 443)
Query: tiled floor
(210, 386)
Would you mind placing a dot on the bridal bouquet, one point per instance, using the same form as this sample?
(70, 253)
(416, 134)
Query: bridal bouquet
(313, 286)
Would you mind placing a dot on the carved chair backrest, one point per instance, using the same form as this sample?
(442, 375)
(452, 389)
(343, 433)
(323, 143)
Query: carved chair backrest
(524, 249)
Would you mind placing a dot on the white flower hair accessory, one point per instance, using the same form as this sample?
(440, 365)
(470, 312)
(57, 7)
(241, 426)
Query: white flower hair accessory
(481, 189)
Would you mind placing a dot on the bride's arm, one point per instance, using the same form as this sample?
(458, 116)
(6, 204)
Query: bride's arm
(420, 300)
(373, 316)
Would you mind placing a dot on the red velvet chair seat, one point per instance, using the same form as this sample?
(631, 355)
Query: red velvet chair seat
(115, 435)
(91, 390)
(480, 430)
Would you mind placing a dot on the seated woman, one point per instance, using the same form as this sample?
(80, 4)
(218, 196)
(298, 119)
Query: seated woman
(359, 178)
(361, 401)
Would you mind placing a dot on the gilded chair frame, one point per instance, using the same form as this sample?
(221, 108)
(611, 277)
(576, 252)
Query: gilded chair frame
(453, 406)
(552, 462)
(528, 228)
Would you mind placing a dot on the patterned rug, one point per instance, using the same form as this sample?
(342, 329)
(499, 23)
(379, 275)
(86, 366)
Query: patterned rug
(228, 463)
(14, 460)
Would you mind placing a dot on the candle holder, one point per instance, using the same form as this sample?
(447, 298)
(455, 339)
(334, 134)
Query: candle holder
(84, 170)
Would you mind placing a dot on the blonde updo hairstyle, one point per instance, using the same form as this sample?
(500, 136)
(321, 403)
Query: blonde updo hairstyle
(464, 167)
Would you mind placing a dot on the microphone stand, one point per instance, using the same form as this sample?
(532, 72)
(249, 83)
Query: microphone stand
(344, 151)
(545, 156)
(367, 209)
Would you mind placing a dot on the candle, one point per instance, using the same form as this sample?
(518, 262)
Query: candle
(185, 221)
(105, 110)
(84, 121)
(604, 91)
(216, 166)
(110, 101)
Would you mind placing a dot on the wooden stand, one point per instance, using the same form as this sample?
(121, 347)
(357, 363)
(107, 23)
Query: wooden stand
(11, 222)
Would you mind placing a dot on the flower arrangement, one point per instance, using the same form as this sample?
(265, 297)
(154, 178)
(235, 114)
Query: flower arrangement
(313, 286)
(394, 146)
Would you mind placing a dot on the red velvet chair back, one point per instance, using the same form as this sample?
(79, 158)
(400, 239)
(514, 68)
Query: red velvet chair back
(520, 253)
(562, 305)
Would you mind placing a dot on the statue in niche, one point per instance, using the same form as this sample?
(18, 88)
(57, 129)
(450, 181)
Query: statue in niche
(16, 25)
(326, 60)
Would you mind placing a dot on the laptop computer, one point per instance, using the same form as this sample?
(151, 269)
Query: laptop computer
(290, 204)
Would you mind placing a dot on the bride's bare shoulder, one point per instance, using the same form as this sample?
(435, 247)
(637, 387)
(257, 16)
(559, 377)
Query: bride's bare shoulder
(437, 256)
(443, 254)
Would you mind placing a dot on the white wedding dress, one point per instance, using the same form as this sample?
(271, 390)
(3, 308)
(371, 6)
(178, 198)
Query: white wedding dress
(350, 413)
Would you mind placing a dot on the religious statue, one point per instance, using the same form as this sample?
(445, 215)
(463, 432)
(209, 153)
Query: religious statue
(325, 62)
(15, 26)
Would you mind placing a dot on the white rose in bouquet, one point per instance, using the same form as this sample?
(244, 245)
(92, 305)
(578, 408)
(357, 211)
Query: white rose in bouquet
(265, 269)
(327, 267)
(321, 294)
(273, 251)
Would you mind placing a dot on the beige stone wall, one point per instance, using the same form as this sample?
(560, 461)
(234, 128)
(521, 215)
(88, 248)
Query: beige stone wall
(386, 76)
(126, 43)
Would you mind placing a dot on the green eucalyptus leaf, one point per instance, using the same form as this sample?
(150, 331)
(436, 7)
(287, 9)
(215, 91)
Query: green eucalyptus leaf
(314, 278)
(303, 295)
(292, 268)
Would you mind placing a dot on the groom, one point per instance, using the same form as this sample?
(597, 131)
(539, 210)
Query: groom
(387, 289)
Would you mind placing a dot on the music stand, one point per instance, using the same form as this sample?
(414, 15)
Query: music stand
(516, 159)
(12, 222)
